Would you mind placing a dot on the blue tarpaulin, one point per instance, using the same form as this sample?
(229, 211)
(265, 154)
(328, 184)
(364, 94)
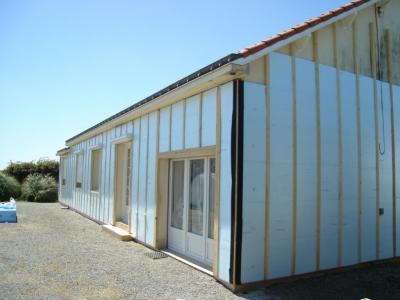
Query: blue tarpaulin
(8, 212)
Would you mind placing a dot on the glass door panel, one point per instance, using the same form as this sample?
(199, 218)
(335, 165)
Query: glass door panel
(196, 197)
(177, 201)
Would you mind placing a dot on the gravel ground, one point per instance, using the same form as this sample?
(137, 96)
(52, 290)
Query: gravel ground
(52, 253)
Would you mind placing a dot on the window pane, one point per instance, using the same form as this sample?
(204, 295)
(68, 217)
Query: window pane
(211, 195)
(95, 176)
(79, 170)
(178, 172)
(196, 196)
(63, 171)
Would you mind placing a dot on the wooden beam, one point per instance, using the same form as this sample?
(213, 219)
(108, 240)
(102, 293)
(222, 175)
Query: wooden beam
(359, 142)
(389, 58)
(373, 43)
(189, 153)
(137, 178)
(200, 118)
(337, 59)
(156, 198)
(294, 158)
(267, 165)
(217, 184)
(146, 179)
(318, 125)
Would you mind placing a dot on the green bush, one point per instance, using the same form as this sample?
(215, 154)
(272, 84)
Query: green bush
(39, 188)
(21, 170)
(9, 187)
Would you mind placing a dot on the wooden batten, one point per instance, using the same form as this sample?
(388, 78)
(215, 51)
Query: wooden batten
(267, 166)
(337, 59)
(146, 180)
(294, 158)
(188, 153)
(200, 118)
(137, 179)
(156, 198)
(359, 142)
(184, 125)
(389, 60)
(318, 125)
(373, 43)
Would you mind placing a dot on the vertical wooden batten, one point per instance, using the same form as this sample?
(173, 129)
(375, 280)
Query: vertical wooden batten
(169, 130)
(359, 141)
(156, 198)
(294, 158)
(372, 36)
(137, 179)
(267, 165)
(146, 180)
(389, 59)
(337, 60)
(318, 131)
(184, 125)
(217, 184)
(200, 117)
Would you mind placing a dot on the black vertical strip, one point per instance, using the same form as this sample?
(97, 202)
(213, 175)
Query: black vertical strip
(237, 182)
(233, 176)
(239, 188)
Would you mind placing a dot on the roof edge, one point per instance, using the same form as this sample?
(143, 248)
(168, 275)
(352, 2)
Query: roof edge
(298, 29)
(207, 69)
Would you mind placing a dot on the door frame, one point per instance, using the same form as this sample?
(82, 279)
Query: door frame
(114, 143)
(186, 235)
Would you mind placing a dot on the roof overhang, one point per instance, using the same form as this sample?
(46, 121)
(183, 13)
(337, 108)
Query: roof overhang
(209, 80)
(302, 30)
(64, 151)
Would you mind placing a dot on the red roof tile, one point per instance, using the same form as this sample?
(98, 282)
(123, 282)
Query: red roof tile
(301, 27)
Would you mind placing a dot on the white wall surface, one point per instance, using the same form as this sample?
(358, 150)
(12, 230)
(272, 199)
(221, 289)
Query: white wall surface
(254, 178)
(226, 182)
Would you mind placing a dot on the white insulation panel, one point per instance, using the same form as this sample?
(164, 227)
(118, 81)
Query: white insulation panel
(306, 167)
(192, 122)
(226, 184)
(350, 169)
(144, 123)
(368, 170)
(151, 178)
(165, 114)
(135, 176)
(281, 182)
(208, 115)
(177, 126)
(254, 178)
(385, 173)
(329, 236)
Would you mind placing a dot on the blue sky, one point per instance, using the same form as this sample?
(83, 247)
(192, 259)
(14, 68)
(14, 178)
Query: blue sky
(65, 65)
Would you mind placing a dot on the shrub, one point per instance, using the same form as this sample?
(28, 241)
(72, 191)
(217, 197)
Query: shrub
(9, 187)
(21, 170)
(39, 188)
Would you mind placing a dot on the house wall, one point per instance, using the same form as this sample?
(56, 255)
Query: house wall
(321, 133)
(188, 126)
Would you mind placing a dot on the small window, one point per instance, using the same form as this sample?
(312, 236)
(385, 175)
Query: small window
(79, 170)
(95, 170)
(63, 171)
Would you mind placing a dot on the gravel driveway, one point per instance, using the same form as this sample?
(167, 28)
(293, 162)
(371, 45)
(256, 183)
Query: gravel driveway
(54, 253)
